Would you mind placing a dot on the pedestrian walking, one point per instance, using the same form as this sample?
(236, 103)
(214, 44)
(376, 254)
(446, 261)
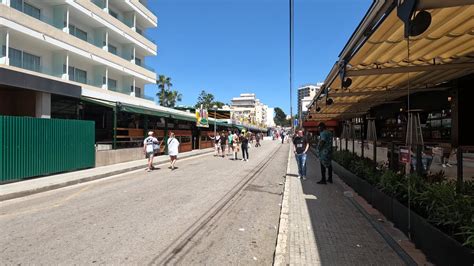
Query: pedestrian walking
(301, 146)
(229, 142)
(257, 140)
(235, 144)
(282, 137)
(244, 140)
(223, 143)
(217, 144)
(151, 148)
(173, 150)
(324, 152)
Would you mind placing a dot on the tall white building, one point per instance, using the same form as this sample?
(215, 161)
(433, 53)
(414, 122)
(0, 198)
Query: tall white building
(306, 94)
(73, 48)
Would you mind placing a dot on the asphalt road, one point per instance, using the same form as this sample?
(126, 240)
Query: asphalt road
(209, 211)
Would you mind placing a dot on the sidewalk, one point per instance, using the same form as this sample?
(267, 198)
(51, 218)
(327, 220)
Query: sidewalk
(41, 184)
(327, 225)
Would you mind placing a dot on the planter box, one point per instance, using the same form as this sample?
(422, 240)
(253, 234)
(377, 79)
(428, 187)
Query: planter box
(436, 245)
(400, 216)
(365, 190)
(348, 177)
(382, 202)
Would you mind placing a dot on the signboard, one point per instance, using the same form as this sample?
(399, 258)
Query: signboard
(404, 155)
(202, 118)
(295, 122)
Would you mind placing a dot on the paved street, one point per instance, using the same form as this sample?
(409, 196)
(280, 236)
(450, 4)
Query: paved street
(208, 211)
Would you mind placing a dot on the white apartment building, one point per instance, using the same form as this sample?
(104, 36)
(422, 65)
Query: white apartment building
(306, 94)
(248, 109)
(73, 48)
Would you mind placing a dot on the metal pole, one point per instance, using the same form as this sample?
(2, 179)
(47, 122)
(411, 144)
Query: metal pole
(459, 165)
(165, 138)
(215, 131)
(114, 143)
(375, 154)
(419, 162)
(353, 146)
(291, 63)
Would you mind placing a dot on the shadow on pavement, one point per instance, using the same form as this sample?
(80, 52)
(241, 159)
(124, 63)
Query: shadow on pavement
(342, 234)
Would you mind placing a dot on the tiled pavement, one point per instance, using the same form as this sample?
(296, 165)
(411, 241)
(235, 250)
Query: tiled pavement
(323, 227)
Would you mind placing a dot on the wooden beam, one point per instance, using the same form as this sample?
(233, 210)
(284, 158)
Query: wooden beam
(435, 4)
(407, 69)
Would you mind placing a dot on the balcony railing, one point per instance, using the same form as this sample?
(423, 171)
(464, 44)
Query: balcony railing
(127, 22)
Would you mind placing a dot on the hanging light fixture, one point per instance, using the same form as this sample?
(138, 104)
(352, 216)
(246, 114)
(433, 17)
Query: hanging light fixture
(420, 23)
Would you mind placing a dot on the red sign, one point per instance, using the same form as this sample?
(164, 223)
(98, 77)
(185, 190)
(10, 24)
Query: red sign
(405, 155)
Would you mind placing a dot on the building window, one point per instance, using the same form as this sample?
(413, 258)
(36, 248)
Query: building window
(32, 11)
(26, 8)
(138, 61)
(75, 31)
(139, 31)
(76, 74)
(99, 3)
(22, 59)
(113, 13)
(15, 57)
(112, 49)
(17, 4)
(31, 62)
(138, 92)
(81, 76)
(112, 84)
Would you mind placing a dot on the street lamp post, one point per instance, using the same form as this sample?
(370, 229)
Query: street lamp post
(215, 129)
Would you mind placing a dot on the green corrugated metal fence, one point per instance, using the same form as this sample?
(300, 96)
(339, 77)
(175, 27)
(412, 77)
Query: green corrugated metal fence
(34, 147)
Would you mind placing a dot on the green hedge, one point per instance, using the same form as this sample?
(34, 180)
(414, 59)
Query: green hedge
(433, 197)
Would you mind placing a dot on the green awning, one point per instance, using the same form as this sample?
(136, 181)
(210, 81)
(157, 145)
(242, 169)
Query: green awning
(183, 117)
(142, 110)
(99, 102)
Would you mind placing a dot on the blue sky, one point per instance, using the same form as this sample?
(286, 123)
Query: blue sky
(228, 47)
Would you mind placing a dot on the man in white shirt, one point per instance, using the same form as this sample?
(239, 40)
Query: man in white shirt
(150, 144)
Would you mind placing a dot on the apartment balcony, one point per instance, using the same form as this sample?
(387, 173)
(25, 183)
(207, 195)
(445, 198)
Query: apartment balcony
(29, 55)
(130, 13)
(49, 31)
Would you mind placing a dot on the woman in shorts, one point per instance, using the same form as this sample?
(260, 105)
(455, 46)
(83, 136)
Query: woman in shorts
(173, 149)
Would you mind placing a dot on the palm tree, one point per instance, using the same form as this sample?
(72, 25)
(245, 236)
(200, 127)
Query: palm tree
(163, 83)
(172, 97)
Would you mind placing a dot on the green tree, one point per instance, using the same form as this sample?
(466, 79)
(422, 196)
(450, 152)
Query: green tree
(207, 101)
(164, 83)
(280, 118)
(170, 97)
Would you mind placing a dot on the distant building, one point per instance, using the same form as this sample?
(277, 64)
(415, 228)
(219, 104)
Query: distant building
(306, 94)
(248, 109)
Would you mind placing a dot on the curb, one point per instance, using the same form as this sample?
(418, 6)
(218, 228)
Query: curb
(280, 257)
(24, 193)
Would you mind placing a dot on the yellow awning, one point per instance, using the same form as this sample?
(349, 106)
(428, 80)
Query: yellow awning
(383, 66)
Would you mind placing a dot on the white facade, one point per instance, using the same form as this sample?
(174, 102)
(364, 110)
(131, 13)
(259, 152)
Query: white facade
(248, 109)
(96, 44)
(306, 93)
